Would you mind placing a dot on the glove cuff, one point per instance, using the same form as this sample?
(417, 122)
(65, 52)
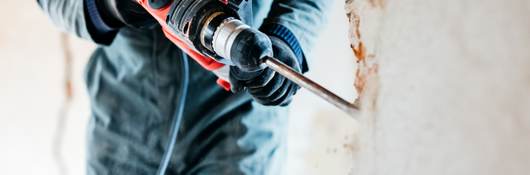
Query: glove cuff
(100, 31)
(96, 17)
(288, 37)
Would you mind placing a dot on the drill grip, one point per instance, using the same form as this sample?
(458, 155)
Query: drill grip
(160, 13)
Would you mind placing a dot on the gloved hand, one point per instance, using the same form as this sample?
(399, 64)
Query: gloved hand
(119, 13)
(265, 85)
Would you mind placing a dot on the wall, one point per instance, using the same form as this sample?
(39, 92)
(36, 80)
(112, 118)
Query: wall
(445, 86)
(32, 91)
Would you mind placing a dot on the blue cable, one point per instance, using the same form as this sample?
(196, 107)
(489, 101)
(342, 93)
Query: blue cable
(178, 116)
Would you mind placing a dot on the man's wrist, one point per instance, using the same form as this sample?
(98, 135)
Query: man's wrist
(283, 33)
(99, 31)
(96, 17)
(110, 14)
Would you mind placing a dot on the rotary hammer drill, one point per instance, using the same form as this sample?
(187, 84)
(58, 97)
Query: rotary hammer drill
(213, 32)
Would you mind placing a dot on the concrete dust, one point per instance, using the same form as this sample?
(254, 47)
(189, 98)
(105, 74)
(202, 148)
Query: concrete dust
(332, 154)
(377, 3)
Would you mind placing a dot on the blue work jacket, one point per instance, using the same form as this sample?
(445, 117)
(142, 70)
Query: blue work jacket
(132, 82)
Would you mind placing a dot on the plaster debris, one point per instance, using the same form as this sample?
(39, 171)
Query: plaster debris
(366, 82)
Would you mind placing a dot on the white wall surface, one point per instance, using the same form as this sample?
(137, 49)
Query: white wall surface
(454, 87)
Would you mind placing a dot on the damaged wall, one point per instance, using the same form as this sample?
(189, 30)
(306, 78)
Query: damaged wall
(445, 86)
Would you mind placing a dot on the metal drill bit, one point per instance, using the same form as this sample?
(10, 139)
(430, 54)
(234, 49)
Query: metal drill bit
(312, 86)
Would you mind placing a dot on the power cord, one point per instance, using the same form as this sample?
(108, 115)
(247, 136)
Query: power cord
(65, 106)
(177, 117)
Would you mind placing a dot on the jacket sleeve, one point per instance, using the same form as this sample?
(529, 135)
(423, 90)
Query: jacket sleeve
(302, 19)
(74, 17)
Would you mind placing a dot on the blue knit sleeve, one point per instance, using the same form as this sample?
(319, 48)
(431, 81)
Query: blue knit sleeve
(298, 22)
(288, 37)
(78, 17)
(100, 31)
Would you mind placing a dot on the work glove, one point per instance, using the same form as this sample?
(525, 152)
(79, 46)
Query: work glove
(265, 85)
(119, 13)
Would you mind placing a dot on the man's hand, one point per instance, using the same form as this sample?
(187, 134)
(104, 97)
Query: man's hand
(266, 86)
(119, 13)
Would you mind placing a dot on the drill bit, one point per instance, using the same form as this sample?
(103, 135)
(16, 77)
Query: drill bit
(312, 86)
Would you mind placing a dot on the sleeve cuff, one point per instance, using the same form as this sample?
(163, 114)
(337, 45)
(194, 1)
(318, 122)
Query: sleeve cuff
(99, 30)
(288, 37)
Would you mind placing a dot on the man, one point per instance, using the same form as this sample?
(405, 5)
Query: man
(133, 79)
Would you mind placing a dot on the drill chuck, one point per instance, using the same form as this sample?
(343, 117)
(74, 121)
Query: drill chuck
(225, 36)
(236, 42)
(214, 30)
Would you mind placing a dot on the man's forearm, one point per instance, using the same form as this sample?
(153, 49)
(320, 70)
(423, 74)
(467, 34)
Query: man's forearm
(73, 16)
(303, 18)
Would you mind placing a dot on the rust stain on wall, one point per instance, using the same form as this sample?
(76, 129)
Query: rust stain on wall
(365, 18)
(360, 51)
(367, 67)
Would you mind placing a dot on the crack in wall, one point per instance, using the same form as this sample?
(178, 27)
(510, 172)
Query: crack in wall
(365, 18)
(367, 65)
